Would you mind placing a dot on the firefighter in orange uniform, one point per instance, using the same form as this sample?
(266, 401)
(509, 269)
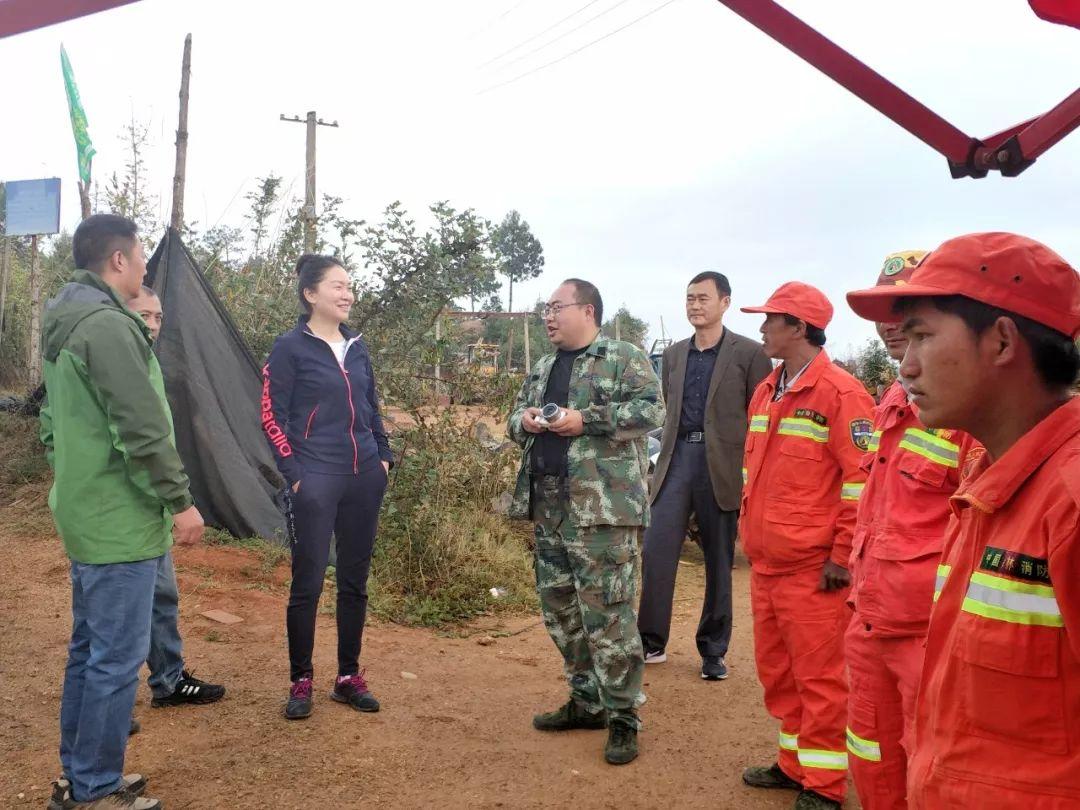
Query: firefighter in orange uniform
(809, 428)
(992, 318)
(903, 512)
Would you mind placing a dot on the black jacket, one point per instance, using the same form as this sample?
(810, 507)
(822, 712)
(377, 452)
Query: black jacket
(318, 416)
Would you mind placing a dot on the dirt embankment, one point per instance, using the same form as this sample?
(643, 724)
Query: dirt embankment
(457, 734)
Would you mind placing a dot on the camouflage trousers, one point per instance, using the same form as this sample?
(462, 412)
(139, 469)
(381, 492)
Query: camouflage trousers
(587, 578)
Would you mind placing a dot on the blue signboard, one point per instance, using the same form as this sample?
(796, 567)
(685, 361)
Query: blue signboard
(33, 207)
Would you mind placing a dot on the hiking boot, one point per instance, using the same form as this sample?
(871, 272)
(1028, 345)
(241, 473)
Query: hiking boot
(811, 800)
(621, 745)
(713, 668)
(569, 716)
(120, 800)
(353, 690)
(299, 705)
(190, 689)
(655, 656)
(771, 777)
(135, 726)
(134, 783)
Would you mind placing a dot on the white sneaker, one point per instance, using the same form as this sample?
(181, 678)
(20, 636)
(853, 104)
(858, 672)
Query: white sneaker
(655, 657)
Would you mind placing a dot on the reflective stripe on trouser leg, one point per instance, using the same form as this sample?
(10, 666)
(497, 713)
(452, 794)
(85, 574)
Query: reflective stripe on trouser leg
(817, 758)
(870, 750)
(812, 624)
(883, 674)
(774, 672)
(789, 742)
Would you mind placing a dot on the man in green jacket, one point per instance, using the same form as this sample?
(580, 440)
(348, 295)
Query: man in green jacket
(582, 481)
(119, 496)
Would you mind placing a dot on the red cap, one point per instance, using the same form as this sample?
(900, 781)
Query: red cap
(799, 300)
(1003, 270)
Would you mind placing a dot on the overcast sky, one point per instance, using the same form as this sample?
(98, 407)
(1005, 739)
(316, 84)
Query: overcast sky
(688, 141)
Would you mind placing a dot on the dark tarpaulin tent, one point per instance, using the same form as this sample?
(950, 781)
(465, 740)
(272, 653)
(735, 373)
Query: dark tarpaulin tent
(214, 388)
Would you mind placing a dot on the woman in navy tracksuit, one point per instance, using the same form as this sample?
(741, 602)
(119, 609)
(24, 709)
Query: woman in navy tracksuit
(320, 413)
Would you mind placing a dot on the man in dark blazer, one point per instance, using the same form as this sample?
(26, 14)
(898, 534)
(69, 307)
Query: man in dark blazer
(707, 380)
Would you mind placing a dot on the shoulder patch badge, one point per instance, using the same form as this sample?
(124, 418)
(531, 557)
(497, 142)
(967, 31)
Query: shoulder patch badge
(861, 431)
(813, 416)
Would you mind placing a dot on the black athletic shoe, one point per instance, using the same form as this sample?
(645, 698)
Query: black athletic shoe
(655, 656)
(569, 716)
(812, 800)
(190, 689)
(353, 690)
(299, 705)
(770, 777)
(621, 745)
(713, 668)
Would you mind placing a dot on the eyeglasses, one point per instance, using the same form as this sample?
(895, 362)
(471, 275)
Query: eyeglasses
(553, 310)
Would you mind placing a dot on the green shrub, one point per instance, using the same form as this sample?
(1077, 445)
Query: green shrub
(23, 459)
(442, 545)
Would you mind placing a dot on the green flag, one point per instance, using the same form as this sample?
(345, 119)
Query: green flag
(78, 120)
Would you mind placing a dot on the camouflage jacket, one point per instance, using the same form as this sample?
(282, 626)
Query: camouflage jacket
(618, 394)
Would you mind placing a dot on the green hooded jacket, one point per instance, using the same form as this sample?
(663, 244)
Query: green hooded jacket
(107, 429)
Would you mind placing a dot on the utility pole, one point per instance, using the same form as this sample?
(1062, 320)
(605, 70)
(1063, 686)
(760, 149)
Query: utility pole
(528, 358)
(84, 200)
(309, 184)
(180, 176)
(34, 360)
(5, 270)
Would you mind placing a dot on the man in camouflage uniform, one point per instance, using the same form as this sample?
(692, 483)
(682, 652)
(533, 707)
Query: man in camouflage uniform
(582, 481)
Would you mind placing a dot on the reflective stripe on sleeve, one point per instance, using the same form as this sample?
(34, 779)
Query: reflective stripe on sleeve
(942, 575)
(1007, 600)
(926, 444)
(804, 428)
(829, 760)
(759, 423)
(745, 475)
(863, 749)
(851, 491)
(875, 442)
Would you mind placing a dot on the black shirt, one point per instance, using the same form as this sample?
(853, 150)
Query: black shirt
(699, 370)
(549, 449)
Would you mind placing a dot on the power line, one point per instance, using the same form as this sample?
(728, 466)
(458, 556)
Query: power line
(500, 18)
(563, 35)
(535, 36)
(521, 76)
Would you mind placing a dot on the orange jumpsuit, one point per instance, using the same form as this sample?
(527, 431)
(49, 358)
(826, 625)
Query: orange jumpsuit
(902, 517)
(802, 486)
(998, 713)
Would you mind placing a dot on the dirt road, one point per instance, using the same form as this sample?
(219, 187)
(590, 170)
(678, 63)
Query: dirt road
(456, 735)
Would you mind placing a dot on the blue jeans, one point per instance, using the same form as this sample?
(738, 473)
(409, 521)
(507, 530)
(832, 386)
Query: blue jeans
(166, 658)
(110, 639)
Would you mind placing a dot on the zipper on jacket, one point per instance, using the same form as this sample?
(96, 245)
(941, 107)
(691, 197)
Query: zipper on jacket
(352, 422)
(348, 389)
(310, 419)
